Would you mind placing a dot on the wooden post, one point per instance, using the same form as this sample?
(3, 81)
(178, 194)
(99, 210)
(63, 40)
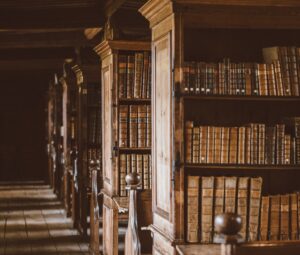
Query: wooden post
(94, 209)
(227, 227)
(132, 240)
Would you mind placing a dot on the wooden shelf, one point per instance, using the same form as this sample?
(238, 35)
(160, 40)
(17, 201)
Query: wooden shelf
(133, 150)
(241, 167)
(241, 98)
(134, 101)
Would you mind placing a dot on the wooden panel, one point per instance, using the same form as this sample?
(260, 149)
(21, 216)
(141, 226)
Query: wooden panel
(162, 159)
(162, 246)
(107, 131)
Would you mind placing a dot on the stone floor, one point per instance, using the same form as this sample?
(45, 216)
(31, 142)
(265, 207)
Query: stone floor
(32, 221)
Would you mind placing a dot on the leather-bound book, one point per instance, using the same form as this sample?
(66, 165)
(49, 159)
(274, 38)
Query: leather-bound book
(196, 145)
(130, 76)
(123, 175)
(294, 216)
(275, 217)
(189, 126)
(230, 194)
(146, 177)
(242, 203)
(210, 144)
(241, 145)
(225, 145)
(203, 144)
(284, 217)
(207, 193)
(122, 75)
(193, 209)
(142, 126)
(217, 145)
(123, 126)
(233, 145)
(149, 127)
(254, 208)
(133, 126)
(145, 78)
(264, 218)
(138, 74)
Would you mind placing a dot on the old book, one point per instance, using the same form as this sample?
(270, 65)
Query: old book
(186, 78)
(210, 144)
(280, 141)
(233, 145)
(225, 145)
(189, 126)
(139, 167)
(242, 203)
(142, 125)
(294, 216)
(145, 82)
(271, 79)
(196, 144)
(193, 209)
(146, 171)
(293, 70)
(219, 195)
(217, 145)
(286, 79)
(149, 127)
(241, 145)
(230, 194)
(254, 143)
(150, 171)
(133, 126)
(133, 163)
(248, 75)
(254, 208)
(203, 144)
(284, 217)
(261, 143)
(123, 126)
(270, 146)
(264, 218)
(138, 72)
(262, 79)
(123, 175)
(207, 192)
(247, 145)
(192, 77)
(287, 149)
(275, 217)
(278, 78)
(122, 75)
(130, 76)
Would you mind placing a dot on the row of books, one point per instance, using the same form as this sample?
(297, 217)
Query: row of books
(279, 75)
(135, 126)
(94, 126)
(279, 217)
(134, 75)
(255, 144)
(139, 163)
(210, 196)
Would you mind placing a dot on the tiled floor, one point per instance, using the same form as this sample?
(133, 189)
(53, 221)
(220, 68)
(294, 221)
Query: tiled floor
(32, 221)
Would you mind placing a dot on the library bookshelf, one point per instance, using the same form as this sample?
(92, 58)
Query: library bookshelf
(126, 129)
(207, 32)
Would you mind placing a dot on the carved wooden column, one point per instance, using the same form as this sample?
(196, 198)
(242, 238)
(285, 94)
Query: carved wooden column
(132, 240)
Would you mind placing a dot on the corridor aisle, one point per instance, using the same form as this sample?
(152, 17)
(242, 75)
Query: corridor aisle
(32, 221)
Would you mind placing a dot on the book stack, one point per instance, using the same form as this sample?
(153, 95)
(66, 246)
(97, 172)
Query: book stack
(135, 126)
(138, 163)
(279, 217)
(134, 75)
(279, 75)
(252, 144)
(210, 196)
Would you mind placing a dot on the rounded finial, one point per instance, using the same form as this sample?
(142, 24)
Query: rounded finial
(133, 179)
(228, 224)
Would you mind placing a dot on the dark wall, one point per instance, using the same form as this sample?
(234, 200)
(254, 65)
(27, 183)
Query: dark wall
(22, 126)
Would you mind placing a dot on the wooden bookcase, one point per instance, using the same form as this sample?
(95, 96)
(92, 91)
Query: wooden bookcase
(197, 30)
(88, 87)
(114, 204)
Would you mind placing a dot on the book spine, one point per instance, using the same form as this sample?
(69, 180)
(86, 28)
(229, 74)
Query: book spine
(139, 167)
(203, 144)
(225, 145)
(217, 145)
(264, 219)
(142, 125)
(271, 80)
(123, 126)
(196, 143)
(294, 216)
(145, 79)
(241, 145)
(189, 126)
(280, 130)
(138, 72)
(146, 177)
(242, 204)
(130, 76)
(284, 61)
(123, 175)
(261, 143)
(287, 149)
(210, 144)
(133, 163)
(219, 195)
(274, 217)
(122, 77)
(254, 208)
(230, 194)
(148, 127)
(193, 209)
(278, 78)
(248, 145)
(233, 145)
(133, 126)
(293, 71)
(284, 217)
(207, 209)
(148, 95)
